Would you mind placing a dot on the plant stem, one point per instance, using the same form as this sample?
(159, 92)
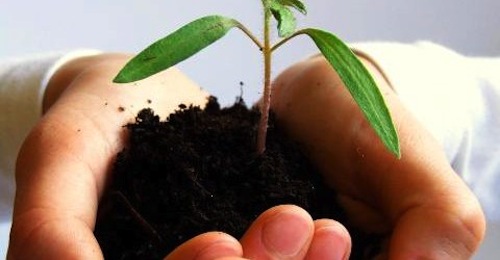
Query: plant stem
(277, 45)
(251, 36)
(266, 96)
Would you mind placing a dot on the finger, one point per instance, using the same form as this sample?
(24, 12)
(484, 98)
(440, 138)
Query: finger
(208, 246)
(331, 241)
(282, 232)
(63, 165)
(417, 194)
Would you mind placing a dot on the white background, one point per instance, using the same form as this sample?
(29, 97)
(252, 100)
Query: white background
(468, 26)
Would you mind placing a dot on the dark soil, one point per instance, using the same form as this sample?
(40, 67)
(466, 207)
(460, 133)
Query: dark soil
(198, 172)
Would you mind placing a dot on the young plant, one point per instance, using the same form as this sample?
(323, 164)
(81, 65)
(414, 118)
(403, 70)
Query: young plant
(202, 32)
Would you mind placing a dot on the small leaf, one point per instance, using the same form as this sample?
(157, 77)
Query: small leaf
(298, 5)
(284, 16)
(359, 83)
(176, 47)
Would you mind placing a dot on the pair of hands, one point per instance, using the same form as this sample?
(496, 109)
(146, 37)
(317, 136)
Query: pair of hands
(63, 165)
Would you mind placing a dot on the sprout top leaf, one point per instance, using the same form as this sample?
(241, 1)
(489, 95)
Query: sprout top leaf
(298, 5)
(286, 19)
(282, 13)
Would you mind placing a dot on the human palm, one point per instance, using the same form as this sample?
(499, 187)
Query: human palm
(418, 200)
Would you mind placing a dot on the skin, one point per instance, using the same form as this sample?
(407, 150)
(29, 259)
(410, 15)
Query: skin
(419, 200)
(63, 165)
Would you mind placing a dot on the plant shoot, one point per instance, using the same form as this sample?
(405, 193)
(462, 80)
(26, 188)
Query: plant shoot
(198, 34)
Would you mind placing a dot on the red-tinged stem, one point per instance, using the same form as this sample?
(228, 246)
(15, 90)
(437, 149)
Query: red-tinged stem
(266, 96)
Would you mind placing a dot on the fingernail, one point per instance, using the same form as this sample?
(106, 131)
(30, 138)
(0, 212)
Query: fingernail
(335, 238)
(286, 233)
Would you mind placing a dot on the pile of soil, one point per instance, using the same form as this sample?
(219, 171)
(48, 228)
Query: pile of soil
(198, 172)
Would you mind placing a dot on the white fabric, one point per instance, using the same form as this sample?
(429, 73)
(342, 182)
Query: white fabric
(20, 107)
(22, 84)
(458, 99)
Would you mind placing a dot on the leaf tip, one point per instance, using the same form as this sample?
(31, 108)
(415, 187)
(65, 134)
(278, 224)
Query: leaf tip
(393, 145)
(397, 152)
(120, 78)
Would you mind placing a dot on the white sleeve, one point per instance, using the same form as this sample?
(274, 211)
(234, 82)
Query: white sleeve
(22, 85)
(457, 99)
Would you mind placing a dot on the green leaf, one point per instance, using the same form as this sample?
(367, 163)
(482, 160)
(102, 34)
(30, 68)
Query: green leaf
(359, 83)
(284, 16)
(176, 47)
(298, 5)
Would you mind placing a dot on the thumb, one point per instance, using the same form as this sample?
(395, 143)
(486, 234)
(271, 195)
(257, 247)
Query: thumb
(282, 232)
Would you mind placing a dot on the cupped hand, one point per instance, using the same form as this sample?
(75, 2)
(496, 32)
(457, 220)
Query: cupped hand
(63, 167)
(419, 200)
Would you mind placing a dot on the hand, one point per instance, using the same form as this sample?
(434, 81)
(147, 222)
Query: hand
(282, 232)
(63, 166)
(419, 200)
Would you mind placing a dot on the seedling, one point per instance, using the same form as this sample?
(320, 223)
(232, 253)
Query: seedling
(202, 32)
